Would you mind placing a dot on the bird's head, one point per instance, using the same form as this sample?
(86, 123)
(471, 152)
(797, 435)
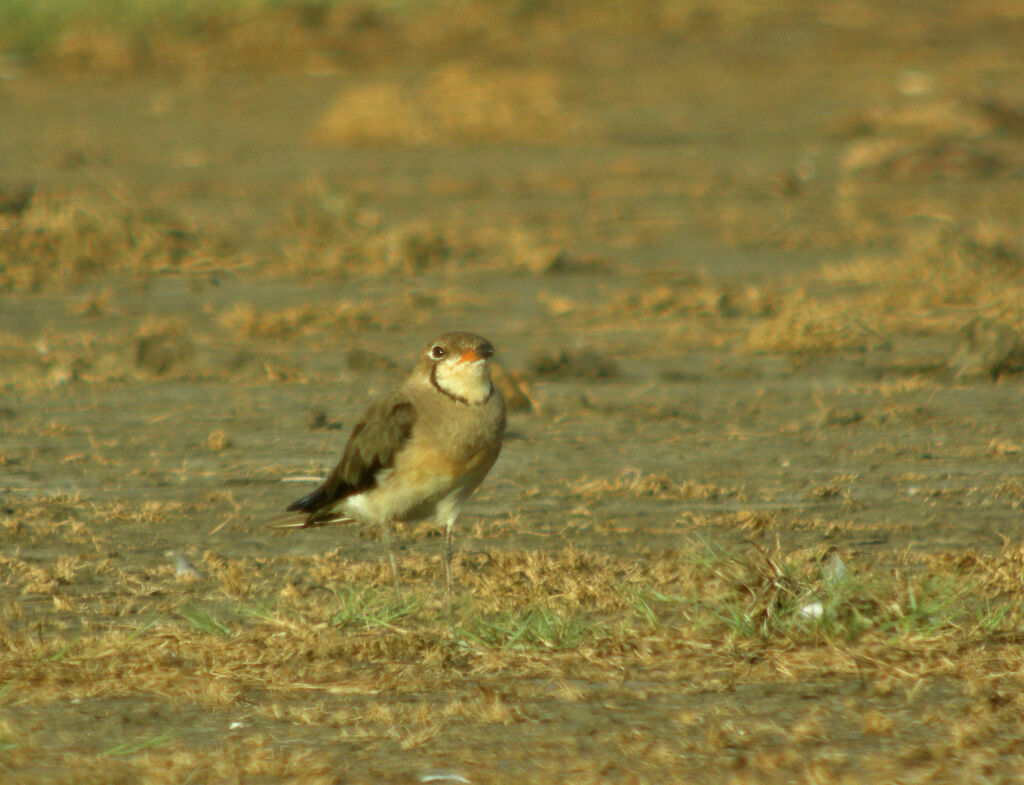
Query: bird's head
(458, 366)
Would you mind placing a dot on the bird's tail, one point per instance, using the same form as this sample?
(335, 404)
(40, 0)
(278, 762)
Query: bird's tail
(310, 502)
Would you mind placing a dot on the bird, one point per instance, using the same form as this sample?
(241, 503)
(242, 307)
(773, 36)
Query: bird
(419, 451)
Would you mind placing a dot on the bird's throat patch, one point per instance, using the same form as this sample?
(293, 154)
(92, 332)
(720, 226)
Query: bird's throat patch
(470, 389)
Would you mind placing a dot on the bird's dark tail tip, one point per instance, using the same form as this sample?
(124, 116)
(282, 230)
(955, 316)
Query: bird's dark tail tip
(308, 503)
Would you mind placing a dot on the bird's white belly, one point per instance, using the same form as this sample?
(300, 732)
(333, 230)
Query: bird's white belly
(400, 501)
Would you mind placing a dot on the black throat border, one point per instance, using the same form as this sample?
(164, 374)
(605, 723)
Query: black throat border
(453, 396)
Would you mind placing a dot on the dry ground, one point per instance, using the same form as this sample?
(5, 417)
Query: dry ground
(759, 280)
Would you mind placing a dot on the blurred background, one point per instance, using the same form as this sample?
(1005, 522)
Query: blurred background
(317, 142)
(755, 273)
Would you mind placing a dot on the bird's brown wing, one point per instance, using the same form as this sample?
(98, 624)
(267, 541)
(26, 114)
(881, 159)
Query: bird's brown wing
(375, 442)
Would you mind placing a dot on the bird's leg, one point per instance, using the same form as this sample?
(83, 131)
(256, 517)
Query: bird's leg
(391, 556)
(449, 528)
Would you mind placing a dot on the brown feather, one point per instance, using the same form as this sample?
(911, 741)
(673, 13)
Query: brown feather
(372, 447)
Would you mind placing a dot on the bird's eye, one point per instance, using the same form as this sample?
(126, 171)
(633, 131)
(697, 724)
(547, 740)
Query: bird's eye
(437, 352)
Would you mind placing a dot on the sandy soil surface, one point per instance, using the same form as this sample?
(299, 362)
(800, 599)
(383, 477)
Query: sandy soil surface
(729, 265)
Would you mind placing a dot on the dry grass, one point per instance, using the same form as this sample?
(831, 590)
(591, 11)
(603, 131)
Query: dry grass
(943, 277)
(60, 242)
(638, 484)
(334, 235)
(227, 34)
(457, 103)
(942, 280)
(150, 634)
(322, 648)
(303, 320)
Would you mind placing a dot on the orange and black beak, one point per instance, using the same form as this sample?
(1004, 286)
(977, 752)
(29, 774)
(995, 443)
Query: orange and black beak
(481, 352)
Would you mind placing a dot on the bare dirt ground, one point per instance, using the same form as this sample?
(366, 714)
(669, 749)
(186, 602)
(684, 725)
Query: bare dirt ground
(728, 258)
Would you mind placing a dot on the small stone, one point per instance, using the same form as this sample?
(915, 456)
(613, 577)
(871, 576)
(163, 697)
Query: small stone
(183, 568)
(584, 364)
(812, 610)
(364, 360)
(834, 570)
(159, 353)
(987, 349)
(443, 775)
(60, 375)
(319, 421)
(514, 389)
(218, 440)
(566, 262)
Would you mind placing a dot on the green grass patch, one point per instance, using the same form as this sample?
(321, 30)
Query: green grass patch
(751, 595)
(368, 606)
(31, 30)
(202, 620)
(534, 628)
(771, 596)
(138, 745)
